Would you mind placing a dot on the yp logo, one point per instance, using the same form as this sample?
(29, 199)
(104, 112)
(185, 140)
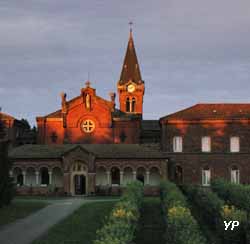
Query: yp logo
(232, 223)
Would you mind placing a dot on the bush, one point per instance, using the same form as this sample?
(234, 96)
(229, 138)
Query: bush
(235, 194)
(209, 203)
(122, 223)
(215, 212)
(6, 185)
(182, 228)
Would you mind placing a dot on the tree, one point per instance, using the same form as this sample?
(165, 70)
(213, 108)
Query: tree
(6, 185)
(26, 123)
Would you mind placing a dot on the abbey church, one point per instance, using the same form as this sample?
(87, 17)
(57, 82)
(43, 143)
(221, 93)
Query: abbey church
(92, 146)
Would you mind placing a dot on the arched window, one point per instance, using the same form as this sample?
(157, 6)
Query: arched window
(140, 175)
(101, 176)
(44, 176)
(178, 174)
(206, 176)
(127, 105)
(235, 175)
(30, 176)
(57, 177)
(128, 175)
(154, 177)
(133, 105)
(18, 176)
(115, 176)
(20, 180)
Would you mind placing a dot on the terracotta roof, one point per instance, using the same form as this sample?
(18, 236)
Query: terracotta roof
(212, 111)
(99, 150)
(57, 114)
(130, 68)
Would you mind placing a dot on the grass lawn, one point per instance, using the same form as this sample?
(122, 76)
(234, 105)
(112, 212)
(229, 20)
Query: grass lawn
(18, 210)
(151, 224)
(80, 227)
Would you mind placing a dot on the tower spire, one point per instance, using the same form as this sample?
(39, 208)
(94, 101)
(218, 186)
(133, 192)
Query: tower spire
(130, 68)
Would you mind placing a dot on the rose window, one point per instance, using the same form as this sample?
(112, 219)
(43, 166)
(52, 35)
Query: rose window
(88, 126)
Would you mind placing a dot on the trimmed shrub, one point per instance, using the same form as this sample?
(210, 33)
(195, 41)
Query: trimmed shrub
(182, 228)
(6, 185)
(235, 194)
(215, 212)
(122, 223)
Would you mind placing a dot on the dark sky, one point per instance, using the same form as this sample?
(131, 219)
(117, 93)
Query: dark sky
(189, 51)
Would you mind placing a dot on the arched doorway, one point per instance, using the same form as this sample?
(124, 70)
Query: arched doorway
(79, 179)
(80, 184)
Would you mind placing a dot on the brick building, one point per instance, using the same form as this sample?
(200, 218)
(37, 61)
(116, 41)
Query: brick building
(15, 130)
(207, 141)
(89, 146)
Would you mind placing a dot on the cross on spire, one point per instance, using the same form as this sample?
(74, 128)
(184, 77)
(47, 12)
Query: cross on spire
(87, 83)
(130, 24)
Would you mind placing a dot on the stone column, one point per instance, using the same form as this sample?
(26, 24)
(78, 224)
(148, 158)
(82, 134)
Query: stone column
(147, 177)
(134, 175)
(24, 177)
(50, 177)
(37, 178)
(91, 183)
(108, 178)
(121, 177)
(11, 173)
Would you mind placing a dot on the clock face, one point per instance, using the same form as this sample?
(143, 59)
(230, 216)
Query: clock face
(131, 88)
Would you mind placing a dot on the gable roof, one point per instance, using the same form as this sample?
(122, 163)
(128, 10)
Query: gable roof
(204, 111)
(99, 150)
(58, 113)
(130, 68)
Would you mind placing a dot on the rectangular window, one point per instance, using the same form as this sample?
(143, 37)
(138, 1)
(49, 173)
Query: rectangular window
(235, 176)
(206, 144)
(206, 177)
(177, 144)
(234, 144)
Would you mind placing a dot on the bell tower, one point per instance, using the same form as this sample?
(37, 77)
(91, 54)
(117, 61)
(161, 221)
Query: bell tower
(131, 86)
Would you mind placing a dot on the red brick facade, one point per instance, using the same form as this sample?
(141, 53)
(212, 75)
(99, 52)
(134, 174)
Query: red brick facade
(219, 122)
(89, 118)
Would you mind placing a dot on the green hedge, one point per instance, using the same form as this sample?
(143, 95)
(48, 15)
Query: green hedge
(215, 212)
(181, 227)
(120, 226)
(6, 185)
(235, 194)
